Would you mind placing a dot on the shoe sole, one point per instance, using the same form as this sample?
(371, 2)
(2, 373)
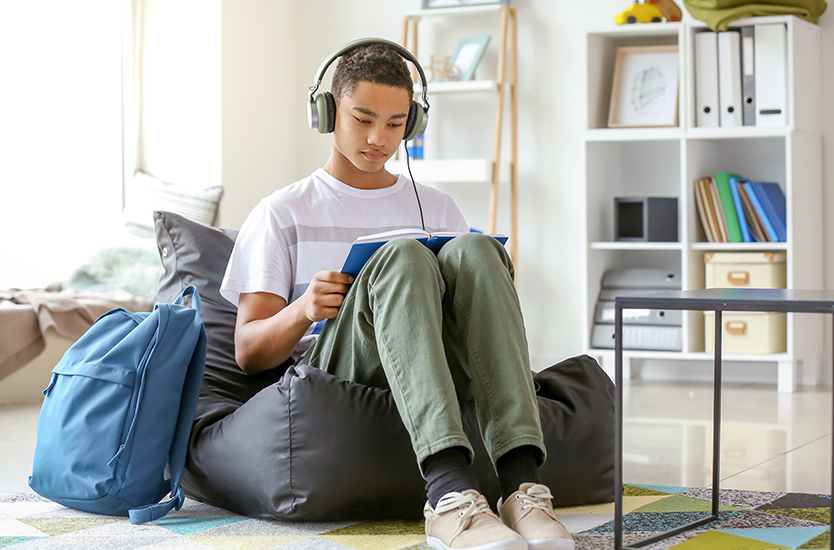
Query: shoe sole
(518, 544)
(551, 544)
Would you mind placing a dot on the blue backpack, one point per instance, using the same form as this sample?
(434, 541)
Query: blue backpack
(119, 408)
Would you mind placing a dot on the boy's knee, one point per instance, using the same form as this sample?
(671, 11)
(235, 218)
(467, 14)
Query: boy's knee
(404, 254)
(478, 247)
(405, 248)
(477, 241)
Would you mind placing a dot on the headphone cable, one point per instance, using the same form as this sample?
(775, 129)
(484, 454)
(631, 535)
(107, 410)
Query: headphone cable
(419, 204)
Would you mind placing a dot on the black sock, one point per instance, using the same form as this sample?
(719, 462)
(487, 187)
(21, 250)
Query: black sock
(515, 467)
(446, 471)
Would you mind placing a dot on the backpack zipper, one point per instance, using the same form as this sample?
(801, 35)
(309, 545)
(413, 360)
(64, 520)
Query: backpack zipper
(142, 367)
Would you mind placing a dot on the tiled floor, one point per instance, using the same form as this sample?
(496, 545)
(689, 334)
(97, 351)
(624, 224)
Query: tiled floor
(770, 441)
(17, 441)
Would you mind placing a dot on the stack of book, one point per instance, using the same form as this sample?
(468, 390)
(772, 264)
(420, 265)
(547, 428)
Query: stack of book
(735, 210)
(645, 329)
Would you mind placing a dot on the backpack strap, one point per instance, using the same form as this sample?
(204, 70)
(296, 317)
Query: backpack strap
(151, 512)
(188, 404)
(190, 290)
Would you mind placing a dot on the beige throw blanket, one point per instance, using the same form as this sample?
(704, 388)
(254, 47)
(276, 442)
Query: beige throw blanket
(25, 316)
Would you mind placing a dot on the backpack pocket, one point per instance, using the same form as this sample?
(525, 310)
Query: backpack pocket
(84, 422)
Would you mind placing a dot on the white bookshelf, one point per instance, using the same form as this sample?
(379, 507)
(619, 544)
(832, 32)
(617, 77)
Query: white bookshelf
(666, 161)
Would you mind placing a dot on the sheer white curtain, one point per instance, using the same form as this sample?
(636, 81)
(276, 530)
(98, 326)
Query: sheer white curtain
(131, 84)
(61, 141)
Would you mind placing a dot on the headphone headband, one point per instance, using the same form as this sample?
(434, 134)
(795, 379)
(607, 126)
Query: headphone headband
(362, 42)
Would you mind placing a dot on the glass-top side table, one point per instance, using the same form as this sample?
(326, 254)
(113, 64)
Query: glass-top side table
(717, 300)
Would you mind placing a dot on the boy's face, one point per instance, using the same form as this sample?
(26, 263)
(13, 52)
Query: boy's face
(370, 124)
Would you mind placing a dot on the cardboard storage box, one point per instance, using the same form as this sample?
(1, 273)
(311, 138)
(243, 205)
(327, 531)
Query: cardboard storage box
(747, 332)
(745, 270)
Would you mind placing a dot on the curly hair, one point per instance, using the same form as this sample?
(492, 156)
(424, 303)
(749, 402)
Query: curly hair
(375, 62)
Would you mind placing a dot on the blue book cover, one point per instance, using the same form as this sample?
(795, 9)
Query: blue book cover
(742, 219)
(754, 198)
(773, 202)
(364, 247)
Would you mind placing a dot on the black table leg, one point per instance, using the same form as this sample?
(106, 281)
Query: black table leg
(618, 427)
(716, 414)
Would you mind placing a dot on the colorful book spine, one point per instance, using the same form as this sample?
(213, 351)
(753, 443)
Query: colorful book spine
(722, 181)
(773, 201)
(718, 211)
(742, 219)
(756, 226)
(703, 212)
(751, 193)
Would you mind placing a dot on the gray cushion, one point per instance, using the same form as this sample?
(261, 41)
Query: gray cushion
(195, 254)
(298, 443)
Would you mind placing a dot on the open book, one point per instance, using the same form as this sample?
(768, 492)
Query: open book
(364, 247)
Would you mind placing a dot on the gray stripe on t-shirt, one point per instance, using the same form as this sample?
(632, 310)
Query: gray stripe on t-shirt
(297, 291)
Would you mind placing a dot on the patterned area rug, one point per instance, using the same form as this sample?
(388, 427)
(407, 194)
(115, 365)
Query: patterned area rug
(749, 520)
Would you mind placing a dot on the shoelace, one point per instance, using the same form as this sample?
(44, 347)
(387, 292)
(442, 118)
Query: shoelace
(537, 496)
(467, 506)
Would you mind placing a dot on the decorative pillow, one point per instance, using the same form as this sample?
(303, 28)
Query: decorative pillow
(193, 254)
(146, 193)
(301, 444)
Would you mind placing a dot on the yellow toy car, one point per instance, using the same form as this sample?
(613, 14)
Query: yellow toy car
(639, 13)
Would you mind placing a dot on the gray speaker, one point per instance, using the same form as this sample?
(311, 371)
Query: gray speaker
(647, 219)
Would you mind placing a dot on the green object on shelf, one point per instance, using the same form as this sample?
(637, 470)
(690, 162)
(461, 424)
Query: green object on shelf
(722, 181)
(720, 13)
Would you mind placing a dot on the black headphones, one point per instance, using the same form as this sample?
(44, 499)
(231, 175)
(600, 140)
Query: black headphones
(321, 113)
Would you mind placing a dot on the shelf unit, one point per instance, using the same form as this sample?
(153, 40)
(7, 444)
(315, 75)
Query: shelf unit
(666, 162)
(489, 169)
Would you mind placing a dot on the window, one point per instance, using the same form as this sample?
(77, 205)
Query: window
(60, 135)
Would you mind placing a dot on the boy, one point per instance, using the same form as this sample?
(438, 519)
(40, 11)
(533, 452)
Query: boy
(432, 329)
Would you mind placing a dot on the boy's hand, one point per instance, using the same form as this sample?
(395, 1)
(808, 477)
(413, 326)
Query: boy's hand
(325, 295)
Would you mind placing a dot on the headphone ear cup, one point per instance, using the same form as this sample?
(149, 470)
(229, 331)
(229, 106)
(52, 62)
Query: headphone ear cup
(331, 112)
(416, 123)
(326, 113)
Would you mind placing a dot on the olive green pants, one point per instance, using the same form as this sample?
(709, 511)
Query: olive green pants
(434, 329)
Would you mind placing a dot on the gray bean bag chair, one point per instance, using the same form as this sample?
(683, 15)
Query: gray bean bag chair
(298, 443)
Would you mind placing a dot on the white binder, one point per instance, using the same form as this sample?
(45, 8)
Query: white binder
(605, 311)
(748, 76)
(647, 337)
(771, 75)
(729, 78)
(706, 79)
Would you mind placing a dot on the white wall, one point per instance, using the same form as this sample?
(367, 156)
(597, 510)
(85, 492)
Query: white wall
(262, 102)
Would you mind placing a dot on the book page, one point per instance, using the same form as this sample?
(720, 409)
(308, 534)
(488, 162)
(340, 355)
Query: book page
(412, 233)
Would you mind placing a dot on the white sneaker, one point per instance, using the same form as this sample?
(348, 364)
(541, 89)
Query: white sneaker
(529, 512)
(465, 521)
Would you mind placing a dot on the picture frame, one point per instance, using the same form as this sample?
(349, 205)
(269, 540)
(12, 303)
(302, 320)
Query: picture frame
(644, 92)
(432, 4)
(467, 55)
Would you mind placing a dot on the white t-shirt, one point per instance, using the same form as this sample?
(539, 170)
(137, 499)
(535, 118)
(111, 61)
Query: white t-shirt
(309, 226)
